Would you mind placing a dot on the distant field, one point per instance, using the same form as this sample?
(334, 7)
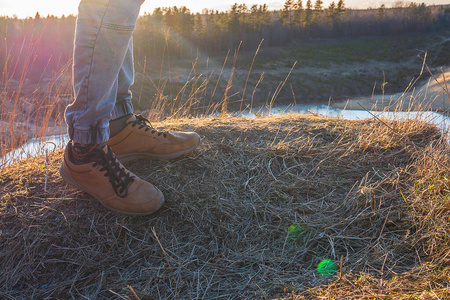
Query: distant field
(326, 70)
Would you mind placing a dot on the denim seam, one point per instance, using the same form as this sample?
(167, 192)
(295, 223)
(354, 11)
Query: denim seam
(118, 27)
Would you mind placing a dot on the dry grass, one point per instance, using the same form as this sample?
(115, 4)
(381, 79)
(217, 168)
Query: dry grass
(358, 190)
(30, 110)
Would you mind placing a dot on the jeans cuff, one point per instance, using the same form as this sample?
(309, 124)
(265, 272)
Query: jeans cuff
(94, 135)
(122, 108)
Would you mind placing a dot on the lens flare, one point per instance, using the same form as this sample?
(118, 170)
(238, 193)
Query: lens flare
(327, 268)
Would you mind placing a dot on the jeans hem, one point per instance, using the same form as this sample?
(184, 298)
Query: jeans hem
(94, 135)
(121, 109)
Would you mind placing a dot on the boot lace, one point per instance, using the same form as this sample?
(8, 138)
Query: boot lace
(144, 123)
(119, 177)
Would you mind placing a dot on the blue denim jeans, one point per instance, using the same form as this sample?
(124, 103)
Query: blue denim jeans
(103, 69)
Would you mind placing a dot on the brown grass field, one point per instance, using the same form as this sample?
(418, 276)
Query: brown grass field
(373, 195)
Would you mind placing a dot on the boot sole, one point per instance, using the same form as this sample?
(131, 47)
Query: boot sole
(134, 156)
(72, 182)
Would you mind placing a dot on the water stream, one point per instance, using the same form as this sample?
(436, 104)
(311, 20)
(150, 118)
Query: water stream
(38, 146)
(35, 147)
(438, 119)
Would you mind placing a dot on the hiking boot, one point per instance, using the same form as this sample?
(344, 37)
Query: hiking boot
(104, 177)
(138, 140)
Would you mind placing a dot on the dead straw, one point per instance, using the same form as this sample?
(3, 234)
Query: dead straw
(229, 206)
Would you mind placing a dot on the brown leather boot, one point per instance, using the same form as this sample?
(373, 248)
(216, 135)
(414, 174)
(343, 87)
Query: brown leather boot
(105, 178)
(140, 140)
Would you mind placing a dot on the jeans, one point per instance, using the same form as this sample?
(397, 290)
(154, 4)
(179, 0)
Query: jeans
(103, 69)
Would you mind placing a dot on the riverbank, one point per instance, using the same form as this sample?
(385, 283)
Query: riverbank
(432, 95)
(369, 195)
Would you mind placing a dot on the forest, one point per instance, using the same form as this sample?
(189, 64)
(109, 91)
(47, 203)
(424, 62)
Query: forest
(215, 32)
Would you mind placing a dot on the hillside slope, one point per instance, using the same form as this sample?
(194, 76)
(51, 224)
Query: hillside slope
(372, 195)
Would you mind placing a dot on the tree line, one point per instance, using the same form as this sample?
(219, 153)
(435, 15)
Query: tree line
(42, 45)
(215, 32)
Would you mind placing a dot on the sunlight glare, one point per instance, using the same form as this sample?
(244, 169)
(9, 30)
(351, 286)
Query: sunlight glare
(28, 8)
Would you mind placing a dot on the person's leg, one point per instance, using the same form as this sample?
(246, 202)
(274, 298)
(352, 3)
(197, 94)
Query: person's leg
(102, 44)
(103, 34)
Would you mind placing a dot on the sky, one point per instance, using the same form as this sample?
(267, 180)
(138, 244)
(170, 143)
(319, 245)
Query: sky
(28, 8)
